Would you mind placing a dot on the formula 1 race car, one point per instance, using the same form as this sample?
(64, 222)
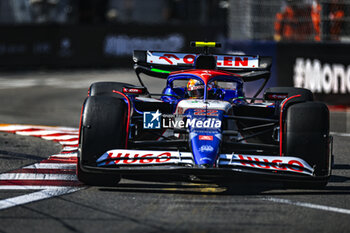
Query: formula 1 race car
(202, 127)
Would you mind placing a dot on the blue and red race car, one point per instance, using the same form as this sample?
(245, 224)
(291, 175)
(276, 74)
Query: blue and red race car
(202, 126)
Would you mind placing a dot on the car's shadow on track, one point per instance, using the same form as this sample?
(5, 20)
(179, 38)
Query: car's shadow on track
(338, 179)
(236, 188)
(186, 188)
(233, 188)
(341, 166)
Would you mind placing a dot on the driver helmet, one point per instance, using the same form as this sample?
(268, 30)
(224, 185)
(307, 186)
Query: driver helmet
(195, 88)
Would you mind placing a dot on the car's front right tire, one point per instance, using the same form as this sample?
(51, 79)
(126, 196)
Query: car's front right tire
(306, 136)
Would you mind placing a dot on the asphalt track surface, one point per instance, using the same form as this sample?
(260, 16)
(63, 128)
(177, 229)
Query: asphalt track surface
(55, 99)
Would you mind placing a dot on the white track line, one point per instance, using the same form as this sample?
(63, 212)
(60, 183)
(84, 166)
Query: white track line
(70, 148)
(27, 127)
(64, 156)
(51, 166)
(42, 132)
(308, 205)
(67, 137)
(36, 196)
(36, 176)
(30, 187)
(340, 134)
(68, 143)
(15, 127)
(53, 163)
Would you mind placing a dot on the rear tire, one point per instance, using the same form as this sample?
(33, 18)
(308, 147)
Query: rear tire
(103, 127)
(307, 137)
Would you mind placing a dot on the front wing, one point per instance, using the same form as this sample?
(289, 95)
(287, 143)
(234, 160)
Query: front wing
(138, 162)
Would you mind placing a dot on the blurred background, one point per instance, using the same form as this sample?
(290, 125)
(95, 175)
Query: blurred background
(309, 40)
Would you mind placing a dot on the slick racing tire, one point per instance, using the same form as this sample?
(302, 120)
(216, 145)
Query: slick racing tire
(102, 128)
(307, 137)
(107, 88)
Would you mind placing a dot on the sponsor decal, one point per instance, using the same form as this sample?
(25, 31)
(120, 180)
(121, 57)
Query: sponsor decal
(277, 96)
(133, 90)
(321, 78)
(275, 164)
(205, 137)
(206, 112)
(151, 120)
(272, 163)
(122, 158)
(217, 105)
(206, 148)
(143, 157)
(188, 59)
(206, 159)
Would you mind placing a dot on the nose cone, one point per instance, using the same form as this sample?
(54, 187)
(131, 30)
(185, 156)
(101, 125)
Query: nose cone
(205, 147)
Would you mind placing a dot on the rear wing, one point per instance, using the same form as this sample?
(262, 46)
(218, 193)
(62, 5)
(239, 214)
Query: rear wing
(161, 64)
(173, 61)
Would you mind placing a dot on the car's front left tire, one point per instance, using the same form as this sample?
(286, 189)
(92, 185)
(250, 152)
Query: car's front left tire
(102, 128)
